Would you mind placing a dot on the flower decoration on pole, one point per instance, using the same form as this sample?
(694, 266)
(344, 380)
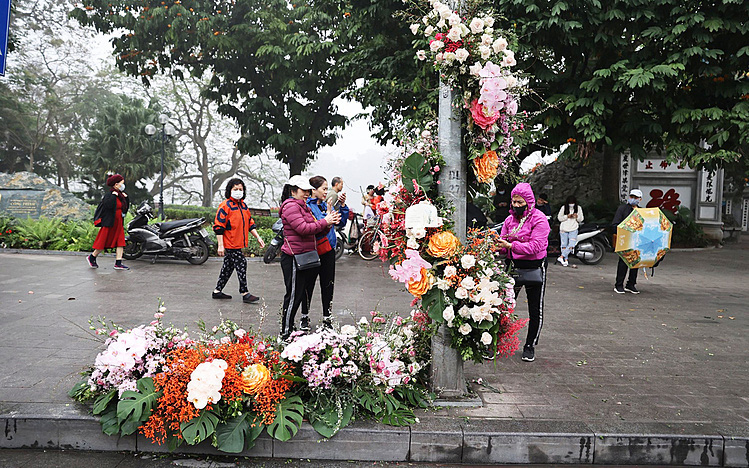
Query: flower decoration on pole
(473, 56)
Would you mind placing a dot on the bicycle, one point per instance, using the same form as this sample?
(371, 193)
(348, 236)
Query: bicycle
(372, 239)
(365, 242)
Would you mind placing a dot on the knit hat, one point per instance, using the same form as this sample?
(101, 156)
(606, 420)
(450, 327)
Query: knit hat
(114, 180)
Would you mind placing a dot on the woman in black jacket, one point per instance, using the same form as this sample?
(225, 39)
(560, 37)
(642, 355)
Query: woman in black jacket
(109, 217)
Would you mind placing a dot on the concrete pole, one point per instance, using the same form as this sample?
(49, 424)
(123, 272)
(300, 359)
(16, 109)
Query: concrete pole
(447, 366)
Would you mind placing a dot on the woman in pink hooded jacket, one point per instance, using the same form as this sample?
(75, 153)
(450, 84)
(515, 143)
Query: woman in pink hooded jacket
(524, 239)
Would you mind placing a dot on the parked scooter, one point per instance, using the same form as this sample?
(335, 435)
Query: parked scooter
(275, 244)
(183, 239)
(592, 244)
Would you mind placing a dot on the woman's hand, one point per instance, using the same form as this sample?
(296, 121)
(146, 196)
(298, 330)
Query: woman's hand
(333, 218)
(220, 251)
(504, 244)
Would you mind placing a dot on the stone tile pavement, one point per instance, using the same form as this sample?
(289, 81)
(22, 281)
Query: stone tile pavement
(656, 378)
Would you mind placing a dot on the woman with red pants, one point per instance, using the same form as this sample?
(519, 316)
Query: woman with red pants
(109, 216)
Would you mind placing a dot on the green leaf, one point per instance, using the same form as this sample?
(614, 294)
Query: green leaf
(289, 416)
(78, 388)
(101, 403)
(415, 169)
(293, 378)
(238, 434)
(434, 301)
(110, 425)
(328, 424)
(136, 407)
(200, 427)
(399, 417)
(370, 402)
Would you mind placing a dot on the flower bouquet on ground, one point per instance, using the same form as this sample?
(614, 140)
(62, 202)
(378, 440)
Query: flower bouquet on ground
(372, 370)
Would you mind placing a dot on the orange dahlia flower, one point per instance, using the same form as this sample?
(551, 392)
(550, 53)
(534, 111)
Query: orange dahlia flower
(254, 377)
(443, 244)
(486, 167)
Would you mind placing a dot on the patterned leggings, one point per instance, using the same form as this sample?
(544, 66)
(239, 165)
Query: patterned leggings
(233, 260)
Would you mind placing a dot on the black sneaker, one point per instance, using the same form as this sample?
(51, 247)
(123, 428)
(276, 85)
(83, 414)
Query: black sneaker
(529, 353)
(632, 289)
(121, 266)
(618, 289)
(327, 322)
(249, 298)
(304, 323)
(220, 295)
(92, 261)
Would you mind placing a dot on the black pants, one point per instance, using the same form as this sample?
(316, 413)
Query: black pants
(233, 260)
(296, 281)
(621, 273)
(326, 272)
(535, 296)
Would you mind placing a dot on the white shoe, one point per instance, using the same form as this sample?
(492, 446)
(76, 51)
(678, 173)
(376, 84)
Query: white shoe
(560, 260)
(563, 261)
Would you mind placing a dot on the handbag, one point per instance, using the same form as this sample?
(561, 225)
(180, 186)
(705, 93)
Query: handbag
(307, 260)
(323, 246)
(528, 276)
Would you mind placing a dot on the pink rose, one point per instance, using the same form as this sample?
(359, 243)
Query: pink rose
(478, 113)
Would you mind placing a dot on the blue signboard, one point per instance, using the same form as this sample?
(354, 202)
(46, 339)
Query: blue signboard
(4, 25)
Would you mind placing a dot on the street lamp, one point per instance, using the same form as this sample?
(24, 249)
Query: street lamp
(167, 129)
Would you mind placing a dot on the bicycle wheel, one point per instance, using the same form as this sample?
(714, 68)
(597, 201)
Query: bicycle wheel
(369, 245)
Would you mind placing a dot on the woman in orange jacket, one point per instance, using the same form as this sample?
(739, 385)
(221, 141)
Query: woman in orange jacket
(232, 226)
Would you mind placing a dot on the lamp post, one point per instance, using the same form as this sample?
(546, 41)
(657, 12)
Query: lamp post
(166, 130)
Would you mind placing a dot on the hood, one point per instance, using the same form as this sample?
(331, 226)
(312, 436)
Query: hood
(289, 201)
(524, 190)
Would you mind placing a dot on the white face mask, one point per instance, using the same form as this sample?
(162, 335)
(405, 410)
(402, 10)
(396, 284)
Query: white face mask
(237, 194)
(572, 207)
(122, 187)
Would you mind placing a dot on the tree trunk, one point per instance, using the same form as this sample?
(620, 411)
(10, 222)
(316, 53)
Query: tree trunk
(296, 164)
(206, 181)
(610, 179)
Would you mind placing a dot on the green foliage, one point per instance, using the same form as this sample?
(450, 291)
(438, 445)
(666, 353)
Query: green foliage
(329, 414)
(238, 434)
(117, 143)
(134, 408)
(434, 301)
(415, 169)
(686, 232)
(102, 402)
(200, 427)
(40, 233)
(289, 416)
(662, 76)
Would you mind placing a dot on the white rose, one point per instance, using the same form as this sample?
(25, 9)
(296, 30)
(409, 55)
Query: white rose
(429, 30)
(489, 30)
(443, 284)
(363, 321)
(421, 55)
(450, 271)
(426, 134)
(489, 21)
(511, 81)
(454, 34)
(486, 338)
(240, 333)
(434, 46)
(461, 293)
(441, 24)
(445, 12)
(453, 19)
(468, 283)
(449, 58)
(438, 57)
(349, 330)
(464, 29)
(499, 45)
(467, 261)
(509, 59)
(475, 69)
(465, 329)
(461, 54)
(486, 40)
(415, 28)
(485, 52)
(464, 312)
(448, 314)
(476, 25)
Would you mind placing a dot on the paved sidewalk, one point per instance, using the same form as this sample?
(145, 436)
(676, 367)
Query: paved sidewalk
(656, 378)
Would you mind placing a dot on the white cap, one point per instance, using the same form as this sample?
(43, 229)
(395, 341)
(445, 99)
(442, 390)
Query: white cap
(636, 193)
(300, 181)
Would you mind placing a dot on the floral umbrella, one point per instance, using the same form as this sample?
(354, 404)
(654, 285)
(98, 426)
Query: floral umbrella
(644, 237)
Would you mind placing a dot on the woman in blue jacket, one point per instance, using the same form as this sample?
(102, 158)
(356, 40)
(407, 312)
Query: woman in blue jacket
(326, 242)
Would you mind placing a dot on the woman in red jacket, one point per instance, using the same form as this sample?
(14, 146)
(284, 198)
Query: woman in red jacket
(109, 217)
(232, 226)
(299, 228)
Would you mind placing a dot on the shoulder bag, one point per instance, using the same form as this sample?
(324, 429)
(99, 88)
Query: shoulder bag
(525, 276)
(305, 261)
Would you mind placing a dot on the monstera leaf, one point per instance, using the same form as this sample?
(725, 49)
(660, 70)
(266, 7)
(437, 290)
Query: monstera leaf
(415, 169)
(110, 425)
(101, 403)
(434, 301)
(136, 407)
(337, 416)
(399, 417)
(239, 433)
(200, 427)
(289, 415)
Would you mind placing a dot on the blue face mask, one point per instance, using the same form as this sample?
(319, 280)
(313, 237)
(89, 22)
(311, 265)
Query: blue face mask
(633, 201)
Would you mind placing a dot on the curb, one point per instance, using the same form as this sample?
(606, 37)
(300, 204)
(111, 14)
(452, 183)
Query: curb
(434, 440)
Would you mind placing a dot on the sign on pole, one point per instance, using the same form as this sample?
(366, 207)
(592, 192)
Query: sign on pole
(4, 27)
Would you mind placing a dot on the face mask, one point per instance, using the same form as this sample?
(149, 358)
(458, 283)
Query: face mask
(237, 194)
(572, 207)
(519, 210)
(633, 201)
(122, 187)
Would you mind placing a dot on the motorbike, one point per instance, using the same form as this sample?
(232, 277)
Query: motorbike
(275, 244)
(183, 239)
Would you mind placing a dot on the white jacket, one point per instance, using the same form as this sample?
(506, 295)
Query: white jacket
(570, 224)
